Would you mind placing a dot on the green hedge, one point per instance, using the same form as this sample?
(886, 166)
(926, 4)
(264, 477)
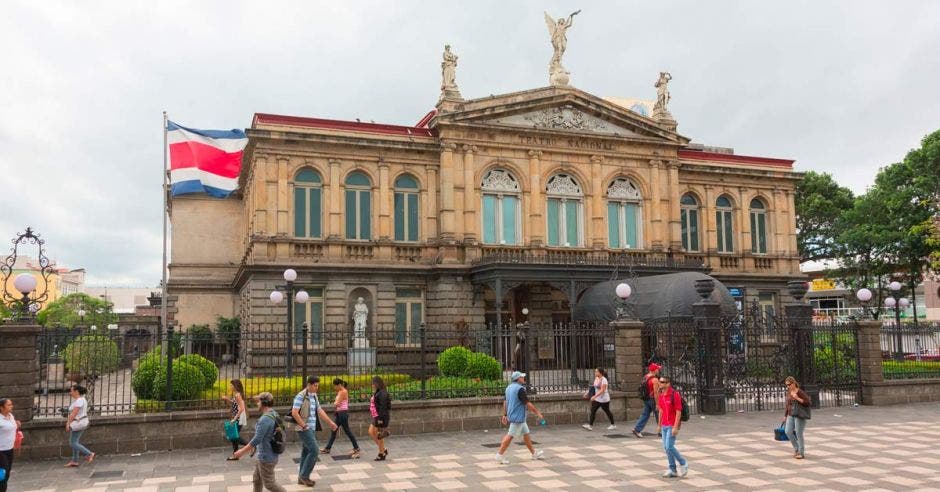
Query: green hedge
(453, 361)
(910, 369)
(449, 387)
(142, 379)
(92, 354)
(188, 381)
(208, 369)
(482, 366)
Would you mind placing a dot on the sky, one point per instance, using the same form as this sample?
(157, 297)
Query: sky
(843, 87)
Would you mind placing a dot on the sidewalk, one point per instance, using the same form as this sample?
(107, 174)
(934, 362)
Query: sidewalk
(848, 448)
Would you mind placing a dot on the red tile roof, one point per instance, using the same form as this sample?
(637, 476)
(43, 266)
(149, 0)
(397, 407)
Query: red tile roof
(698, 155)
(355, 126)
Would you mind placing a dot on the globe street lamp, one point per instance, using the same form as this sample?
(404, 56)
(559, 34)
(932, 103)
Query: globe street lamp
(81, 317)
(864, 295)
(276, 296)
(25, 284)
(897, 303)
(623, 291)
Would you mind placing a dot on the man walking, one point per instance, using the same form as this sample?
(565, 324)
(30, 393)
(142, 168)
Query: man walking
(651, 382)
(304, 411)
(265, 428)
(514, 413)
(670, 420)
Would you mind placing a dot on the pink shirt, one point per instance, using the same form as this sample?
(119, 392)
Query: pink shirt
(372, 410)
(343, 405)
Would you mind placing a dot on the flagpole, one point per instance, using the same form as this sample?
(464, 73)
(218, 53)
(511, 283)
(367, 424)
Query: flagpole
(163, 320)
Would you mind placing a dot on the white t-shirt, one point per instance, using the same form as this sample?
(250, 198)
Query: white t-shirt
(598, 383)
(7, 432)
(82, 405)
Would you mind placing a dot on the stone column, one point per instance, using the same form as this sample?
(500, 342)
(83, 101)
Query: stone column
(448, 223)
(674, 239)
(743, 229)
(709, 238)
(712, 351)
(799, 316)
(628, 361)
(778, 232)
(869, 356)
(430, 205)
(471, 202)
(20, 367)
(336, 202)
(259, 192)
(536, 221)
(598, 226)
(385, 198)
(656, 226)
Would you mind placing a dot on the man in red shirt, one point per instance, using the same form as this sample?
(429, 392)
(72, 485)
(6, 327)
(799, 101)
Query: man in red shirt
(649, 404)
(670, 420)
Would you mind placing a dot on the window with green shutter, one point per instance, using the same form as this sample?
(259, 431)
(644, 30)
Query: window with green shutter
(310, 312)
(724, 218)
(624, 215)
(501, 208)
(758, 227)
(406, 208)
(308, 192)
(563, 211)
(358, 206)
(409, 314)
(688, 217)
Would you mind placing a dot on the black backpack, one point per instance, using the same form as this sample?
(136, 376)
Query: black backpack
(643, 390)
(685, 408)
(277, 439)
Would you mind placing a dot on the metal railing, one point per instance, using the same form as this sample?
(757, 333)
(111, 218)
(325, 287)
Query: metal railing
(911, 351)
(128, 372)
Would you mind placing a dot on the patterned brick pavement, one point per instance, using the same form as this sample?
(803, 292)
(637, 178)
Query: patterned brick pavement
(886, 448)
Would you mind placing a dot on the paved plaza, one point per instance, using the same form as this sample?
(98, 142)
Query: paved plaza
(862, 448)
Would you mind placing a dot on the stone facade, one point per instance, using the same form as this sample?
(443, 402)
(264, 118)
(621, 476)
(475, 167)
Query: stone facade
(517, 196)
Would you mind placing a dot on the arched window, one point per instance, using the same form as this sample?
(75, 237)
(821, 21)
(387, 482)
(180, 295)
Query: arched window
(688, 215)
(624, 215)
(501, 210)
(406, 208)
(758, 226)
(308, 202)
(724, 215)
(358, 206)
(563, 211)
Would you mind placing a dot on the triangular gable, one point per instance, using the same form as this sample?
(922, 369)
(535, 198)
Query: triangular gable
(558, 109)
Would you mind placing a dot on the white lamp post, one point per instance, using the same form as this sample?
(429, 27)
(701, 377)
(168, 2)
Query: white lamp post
(290, 275)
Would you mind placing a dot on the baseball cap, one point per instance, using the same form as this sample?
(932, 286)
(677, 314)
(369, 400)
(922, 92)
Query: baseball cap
(655, 367)
(516, 375)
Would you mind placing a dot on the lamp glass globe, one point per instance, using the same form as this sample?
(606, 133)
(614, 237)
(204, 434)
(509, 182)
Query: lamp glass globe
(890, 302)
(25, 283)
(290, 275)
(81, 313)
(903, 302)
(863, 295)
(302, 297)
(525, 311)
(624, 291)
(276, 297)
(895, 286)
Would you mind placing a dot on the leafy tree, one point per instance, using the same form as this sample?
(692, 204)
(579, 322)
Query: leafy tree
(64, 312)
(5, 312)
(228, 331)
(820, 202)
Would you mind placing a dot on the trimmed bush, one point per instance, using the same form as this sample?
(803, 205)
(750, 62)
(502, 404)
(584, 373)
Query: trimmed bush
(142, 379)
(209, 370)
(482, 366)
(910, 369)
(453, 361)
(284, 389)
(187, 381)
(92, 354)
(448, 387)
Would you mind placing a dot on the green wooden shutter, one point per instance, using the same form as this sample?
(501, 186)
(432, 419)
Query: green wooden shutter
(571, 223)
(401, 321)
(613, 224)
(629, 216)
(415, 322)
(365, 215)
(510, 205)
(351, 213)
(553, 221)
(729, 240)
(489, 219)
(315, 214)
(399, 217)
(316, 323)
(762, 234)
(300, 212)
(300, 315)
(693, 230)
(413, 221)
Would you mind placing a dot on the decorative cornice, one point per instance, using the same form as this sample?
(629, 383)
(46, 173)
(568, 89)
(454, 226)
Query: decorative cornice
(599, 159)
(537, 154)
(335, 162)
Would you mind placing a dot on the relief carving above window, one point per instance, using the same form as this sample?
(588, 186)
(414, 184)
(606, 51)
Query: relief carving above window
(500, 180)
(563, 185)
(623, 189)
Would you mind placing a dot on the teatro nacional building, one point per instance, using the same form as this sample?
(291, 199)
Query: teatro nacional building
(480, 209)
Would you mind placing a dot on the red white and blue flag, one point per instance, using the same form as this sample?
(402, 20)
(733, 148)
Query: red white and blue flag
(204, 161)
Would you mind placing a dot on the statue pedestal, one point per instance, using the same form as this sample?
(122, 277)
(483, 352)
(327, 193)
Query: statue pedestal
(360, 342)
(360, 360)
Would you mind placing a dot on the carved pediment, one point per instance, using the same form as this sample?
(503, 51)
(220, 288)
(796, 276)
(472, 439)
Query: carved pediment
(565, 117)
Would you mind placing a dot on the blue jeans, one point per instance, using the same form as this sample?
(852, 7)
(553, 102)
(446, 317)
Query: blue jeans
(77, 449)
(342, 422)
(309, 454)
(649, 408)
(669, 445)
(794, 429)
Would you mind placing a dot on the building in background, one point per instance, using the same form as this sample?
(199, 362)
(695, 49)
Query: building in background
(61, 281)
(124, 300)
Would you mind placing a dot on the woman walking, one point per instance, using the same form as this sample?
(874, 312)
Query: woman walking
(342, 418)
(77, 424)
(380, 406)
(600, 399)
(239, 413)
(798, 412)
(9, 426)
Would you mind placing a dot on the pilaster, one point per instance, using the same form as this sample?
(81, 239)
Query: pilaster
(598, 226)
(385, 199)
(336, 201)
(656, 221)
(537, 220)
(675, 224)
(471, 225)
(431, 205)
(448, 230)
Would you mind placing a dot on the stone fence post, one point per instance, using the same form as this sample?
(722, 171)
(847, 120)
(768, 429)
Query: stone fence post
(712, 350)
(20, 367)
(869, 357)
(628, 362)
(799, 316)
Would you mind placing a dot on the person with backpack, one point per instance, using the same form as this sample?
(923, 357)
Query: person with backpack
(648, 391)
(269, 443)
(672, 412)
(304, 411)
(798, 412)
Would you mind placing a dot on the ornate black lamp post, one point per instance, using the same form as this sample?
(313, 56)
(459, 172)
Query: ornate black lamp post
(29, 293)
(290, 275)
(897, 303)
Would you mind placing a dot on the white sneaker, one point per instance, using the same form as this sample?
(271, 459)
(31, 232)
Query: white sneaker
(670, 474)
(537, 455)
(611, 427)
(683, 470)
(588, 427)
(502, 460)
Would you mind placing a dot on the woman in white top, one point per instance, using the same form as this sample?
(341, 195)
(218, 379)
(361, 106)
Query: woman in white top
(76, 425)
(8, 428)
(601, 399)
(239, 414)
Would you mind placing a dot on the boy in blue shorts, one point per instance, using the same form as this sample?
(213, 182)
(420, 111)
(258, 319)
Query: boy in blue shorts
(514, 414)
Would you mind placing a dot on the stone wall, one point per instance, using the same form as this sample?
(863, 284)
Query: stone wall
(902, 391)
(202, 429)
(19, 365)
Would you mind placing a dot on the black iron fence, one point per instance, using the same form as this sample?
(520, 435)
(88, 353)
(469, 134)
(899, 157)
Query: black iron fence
(142, 372)
(910, 350)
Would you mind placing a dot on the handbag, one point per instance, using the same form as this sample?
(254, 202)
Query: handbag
(231, 430)
(590, 392)
(79, 424)
(780, 434)
(18, 440)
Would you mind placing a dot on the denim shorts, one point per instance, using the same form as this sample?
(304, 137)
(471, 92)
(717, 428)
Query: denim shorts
(518, 429)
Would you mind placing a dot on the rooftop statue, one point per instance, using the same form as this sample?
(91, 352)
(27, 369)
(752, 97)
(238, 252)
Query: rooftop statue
(558, 30)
